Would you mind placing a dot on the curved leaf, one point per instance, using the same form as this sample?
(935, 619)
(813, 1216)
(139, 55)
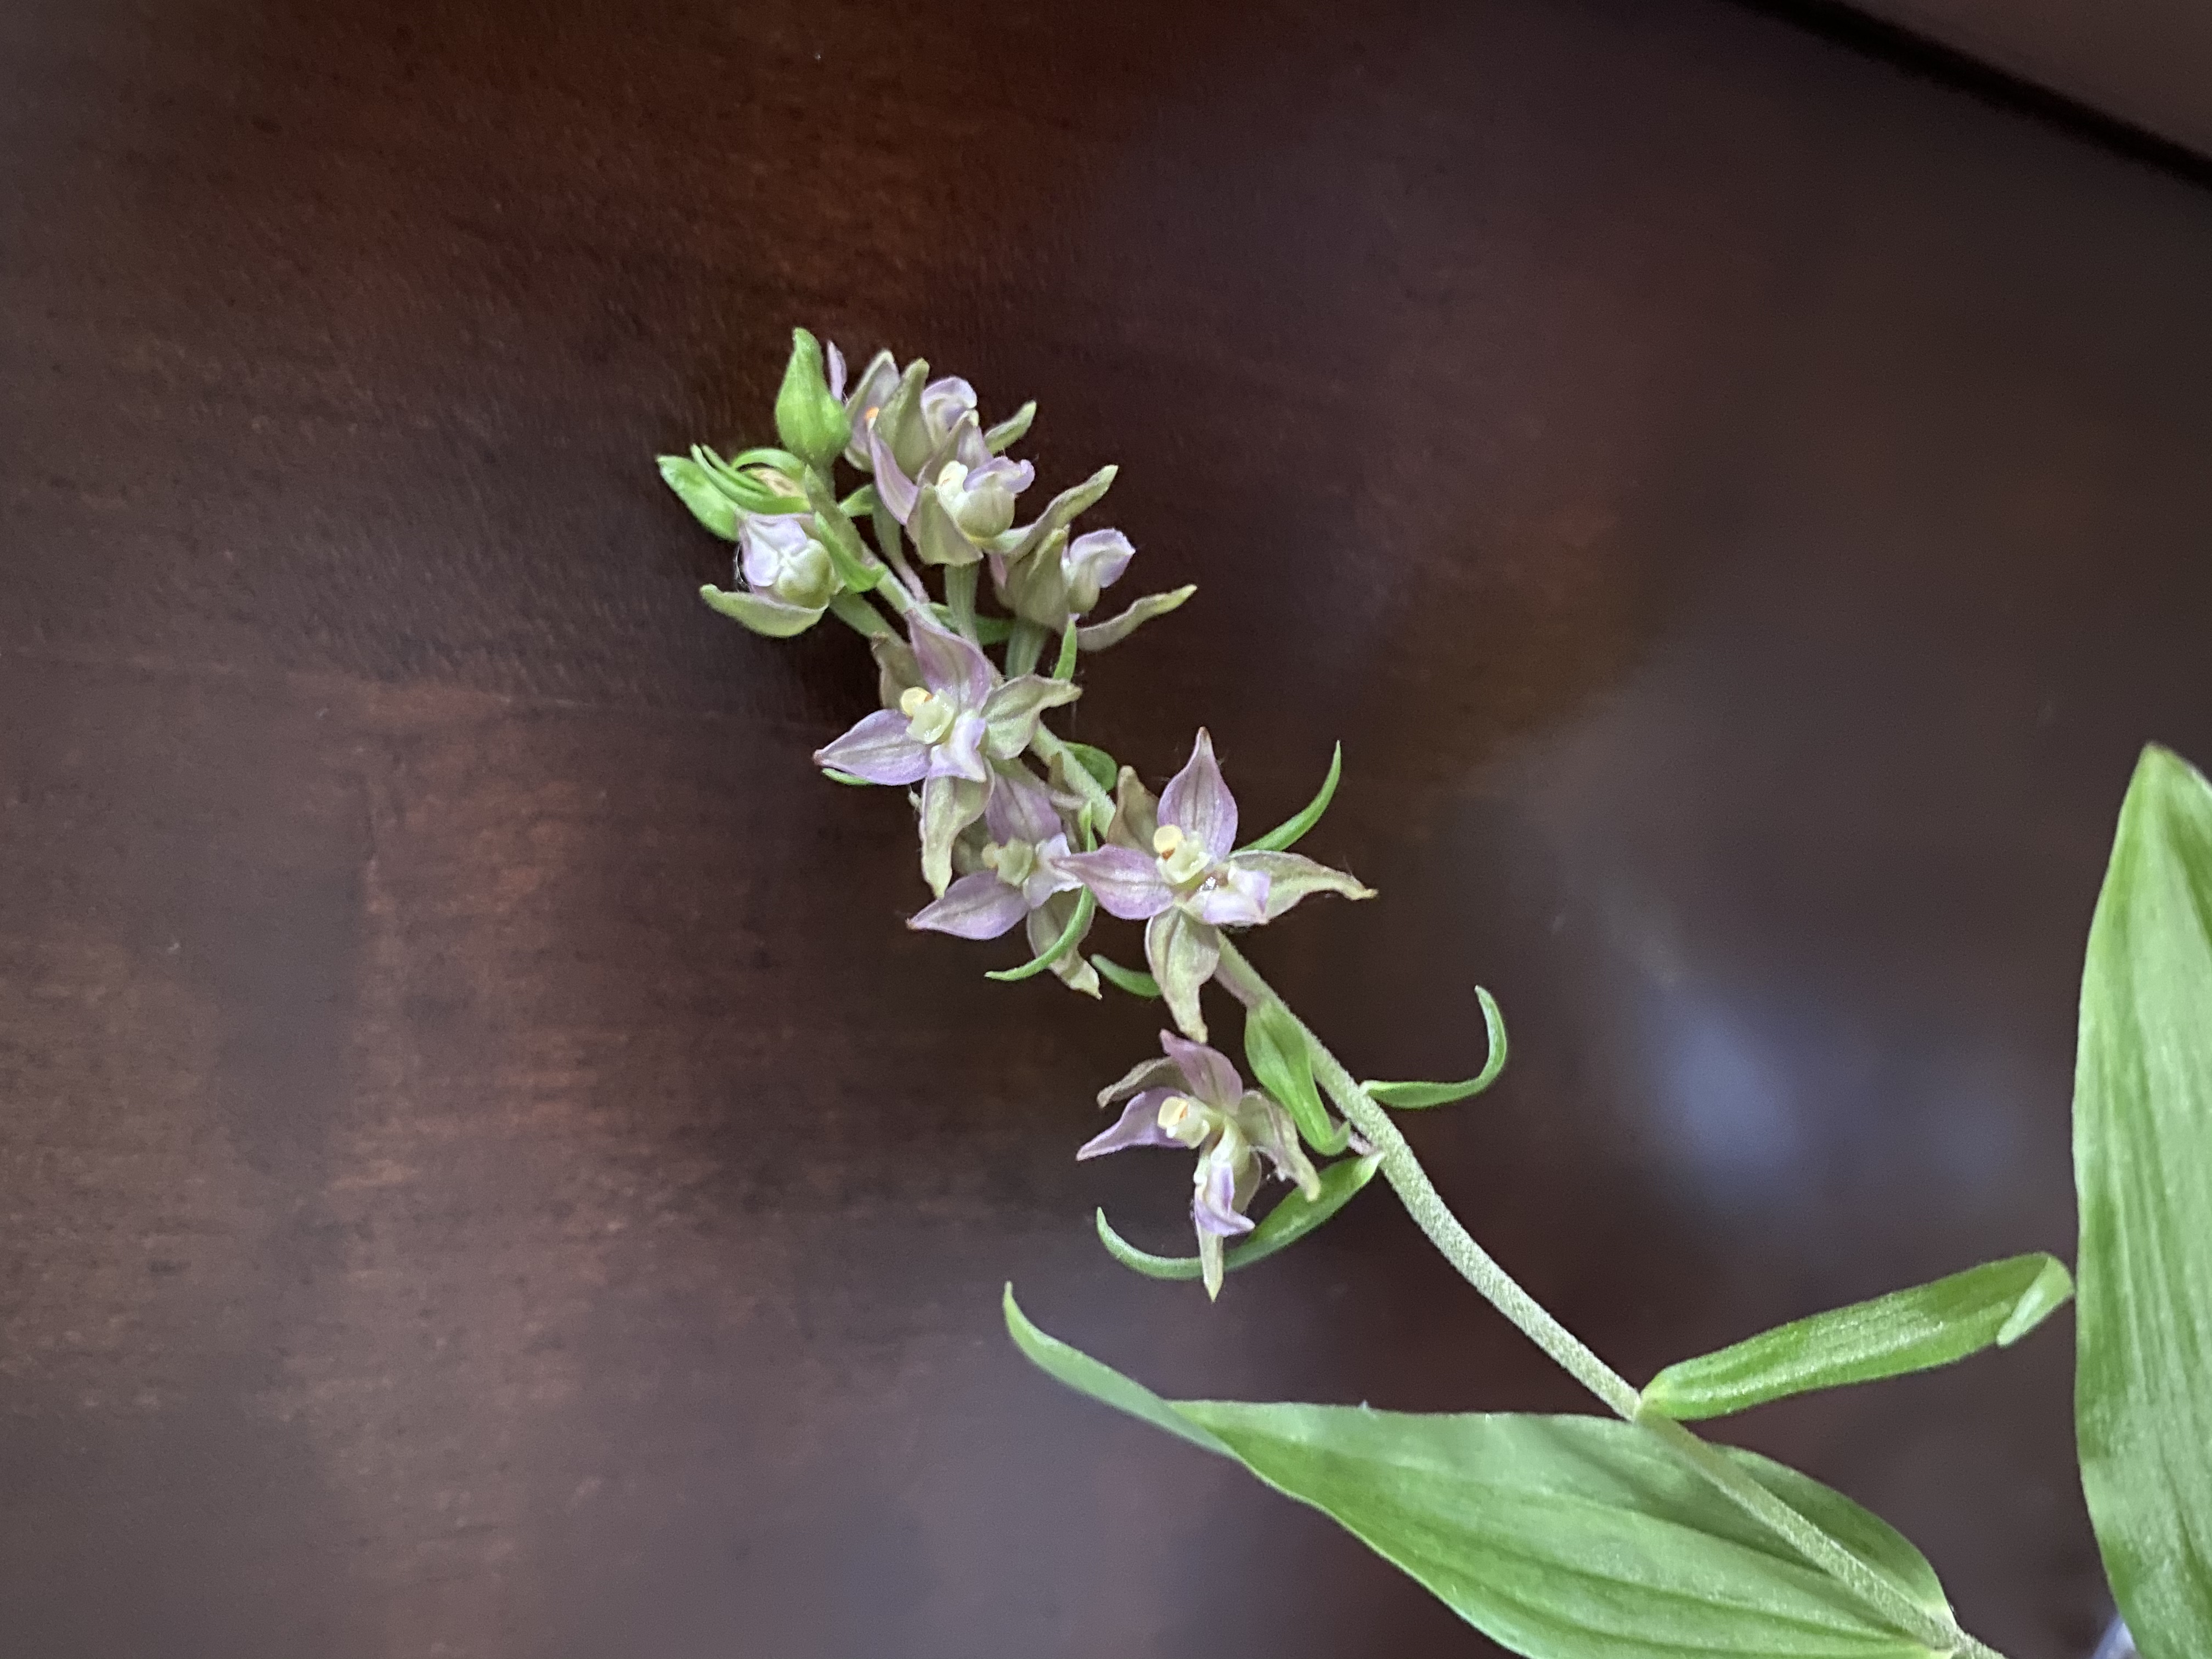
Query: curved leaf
(1417, 1096)
(1287, 834)
(2142, 1164)
(1079, 923)
(1275, 1047)
(1559, 1537)
(1280, 1228)
(1127, 979)
(1913, 1330)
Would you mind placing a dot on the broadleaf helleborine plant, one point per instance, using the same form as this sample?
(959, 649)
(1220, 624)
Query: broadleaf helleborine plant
(1563, 1538)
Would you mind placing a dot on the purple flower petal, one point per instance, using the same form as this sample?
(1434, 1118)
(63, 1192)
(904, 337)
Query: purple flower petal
(1098, 558)
(950, 666)
(1213, 1198)
(1050, 875)
(878, 750)
(1020, 807)
(1158, 1073)
(1207, 1073)
(945, 401)
(767, 543)
(1128, 883)
(1197, 802)
(980, 906)
(893, 486)
(961, 753)
(1231, 897)
(834, 369)
(1139, 1126)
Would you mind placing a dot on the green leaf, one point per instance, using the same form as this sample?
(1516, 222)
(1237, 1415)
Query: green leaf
(1559, 1537)
(1913, 1330)
(1102, 766)
(1417, 1096)
(2143, 1166)
(1275, 1046)
(1280, 1228)
(1127, 979)
(1287, 834)
(1086, 906)
(695, 487)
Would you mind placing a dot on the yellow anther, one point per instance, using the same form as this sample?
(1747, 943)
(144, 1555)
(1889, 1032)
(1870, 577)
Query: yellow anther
(1166, 839)
(911, 701)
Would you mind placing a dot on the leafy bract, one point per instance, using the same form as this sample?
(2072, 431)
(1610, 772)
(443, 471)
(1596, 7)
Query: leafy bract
(1287, 834)
(1560, 1537)
(1282, 1226)
(1913, 1330)
(2142, 1164)
(1417, 1096)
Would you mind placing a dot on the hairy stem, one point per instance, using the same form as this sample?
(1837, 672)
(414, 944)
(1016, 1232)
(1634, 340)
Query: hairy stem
(1475, 1265)
(1025, 647)
(863, 619)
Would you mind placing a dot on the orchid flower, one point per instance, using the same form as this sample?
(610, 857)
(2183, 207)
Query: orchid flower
(1063, 579)
(788, 580)
(963, 497)
(1194, 1098)
(1014, 876)
(1173, 868)
(945, 734)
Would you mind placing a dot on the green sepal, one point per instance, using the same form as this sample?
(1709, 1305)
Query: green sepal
(812, 423)
(1136, 983)
(1911, 1330)
(1558, 1537)
(1419, 1097)
(858, 568)
(1064, 666)
(696, 487)
(1275, 1045)
(861, 503)
(1280, 1228)
(1087, 907)
(1114, 630)
(778, 619)
(1012, 430)
(1287, 834)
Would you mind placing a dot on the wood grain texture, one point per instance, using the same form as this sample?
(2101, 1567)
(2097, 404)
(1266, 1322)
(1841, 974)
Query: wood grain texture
(483, 1171)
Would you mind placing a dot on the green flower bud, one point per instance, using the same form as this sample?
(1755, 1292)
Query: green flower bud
(811, 422)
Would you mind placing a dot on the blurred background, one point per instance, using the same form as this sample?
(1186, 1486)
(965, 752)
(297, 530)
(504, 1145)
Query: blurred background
(484, 1171)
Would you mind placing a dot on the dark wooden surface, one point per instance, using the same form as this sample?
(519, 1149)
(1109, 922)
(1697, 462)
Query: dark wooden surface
(483, 1170)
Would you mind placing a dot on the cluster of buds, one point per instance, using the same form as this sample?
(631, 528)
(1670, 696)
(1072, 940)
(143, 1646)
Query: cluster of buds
(1017, 825)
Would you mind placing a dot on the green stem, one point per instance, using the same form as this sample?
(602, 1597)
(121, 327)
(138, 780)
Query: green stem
(960, 599)
(1475, 1265)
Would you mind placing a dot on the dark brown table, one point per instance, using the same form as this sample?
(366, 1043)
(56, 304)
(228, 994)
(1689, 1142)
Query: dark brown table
(484, 1171)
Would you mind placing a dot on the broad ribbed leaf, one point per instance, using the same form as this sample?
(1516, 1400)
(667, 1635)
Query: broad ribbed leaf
(1560, 1537)
(1913, 1330)
(2142, 1162)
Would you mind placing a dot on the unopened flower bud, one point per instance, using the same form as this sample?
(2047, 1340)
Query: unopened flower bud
(810, 422)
